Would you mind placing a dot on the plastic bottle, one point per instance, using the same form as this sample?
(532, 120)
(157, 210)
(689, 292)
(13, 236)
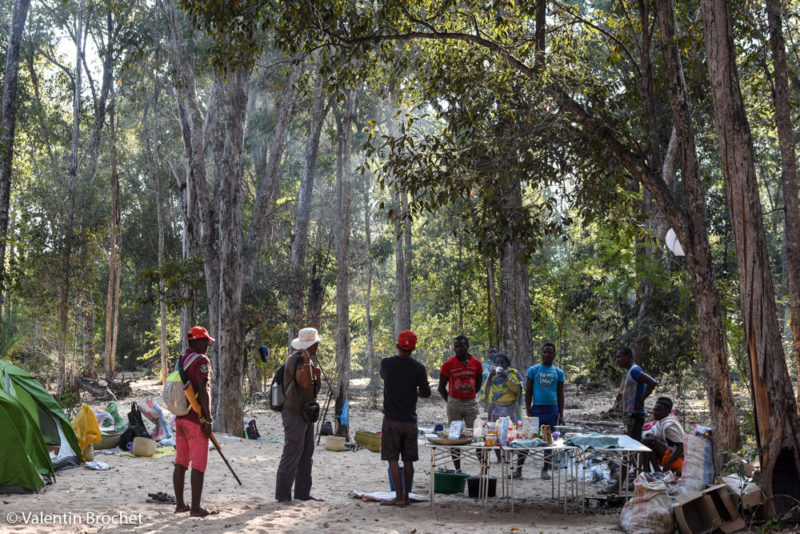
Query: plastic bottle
(477, 428)
(520, 431)
(512, 433)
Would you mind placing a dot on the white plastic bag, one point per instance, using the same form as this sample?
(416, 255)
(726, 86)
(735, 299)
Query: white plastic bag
(649, 511)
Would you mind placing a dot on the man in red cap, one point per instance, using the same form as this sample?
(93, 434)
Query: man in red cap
(404, 380)
(191, 437)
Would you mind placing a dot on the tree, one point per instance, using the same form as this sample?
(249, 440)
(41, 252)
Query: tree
(783, 118)
(775, 408)
(8, 122)
(344, 170)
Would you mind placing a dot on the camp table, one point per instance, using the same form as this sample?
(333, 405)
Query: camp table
(561, 479)
(626, 450)
(475, 453)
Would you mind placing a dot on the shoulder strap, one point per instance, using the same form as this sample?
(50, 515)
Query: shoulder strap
(536, 371)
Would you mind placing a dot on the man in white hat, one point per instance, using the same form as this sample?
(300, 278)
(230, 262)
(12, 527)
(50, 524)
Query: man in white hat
(301, 385)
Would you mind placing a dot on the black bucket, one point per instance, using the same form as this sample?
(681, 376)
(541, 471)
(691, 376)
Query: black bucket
(473, 483)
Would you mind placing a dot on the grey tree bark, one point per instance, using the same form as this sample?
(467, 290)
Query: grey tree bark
(343, 200)
(775, 408)
(228, 258)
(153, 168)
(302, 220)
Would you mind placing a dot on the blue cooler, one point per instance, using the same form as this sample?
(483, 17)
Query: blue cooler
(391, 484)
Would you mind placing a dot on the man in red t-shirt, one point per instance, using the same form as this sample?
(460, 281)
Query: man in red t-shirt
(459, 382)
(191, 436)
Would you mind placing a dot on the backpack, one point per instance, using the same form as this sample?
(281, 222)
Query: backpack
(135, 428)
(277, 396)
(174, 398)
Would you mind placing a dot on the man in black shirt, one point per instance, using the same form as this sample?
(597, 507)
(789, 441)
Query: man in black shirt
(404, 379)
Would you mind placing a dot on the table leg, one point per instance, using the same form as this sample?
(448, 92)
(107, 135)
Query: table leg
(433, 470)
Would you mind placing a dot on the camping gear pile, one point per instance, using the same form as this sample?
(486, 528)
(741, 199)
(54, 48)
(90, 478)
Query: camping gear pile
(37, 437)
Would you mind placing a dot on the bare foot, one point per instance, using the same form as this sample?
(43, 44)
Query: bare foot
(394, 502)
(181, 508)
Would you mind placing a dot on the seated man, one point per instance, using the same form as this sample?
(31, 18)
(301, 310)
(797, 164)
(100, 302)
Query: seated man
(665, 439)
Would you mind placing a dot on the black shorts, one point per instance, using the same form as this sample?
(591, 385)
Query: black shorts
(399, 437)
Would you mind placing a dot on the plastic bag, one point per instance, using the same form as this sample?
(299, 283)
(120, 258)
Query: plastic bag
(87, 430)
(649, 511)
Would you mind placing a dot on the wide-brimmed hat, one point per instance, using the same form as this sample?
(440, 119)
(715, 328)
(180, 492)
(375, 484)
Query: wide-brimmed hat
(198, 332)
(305, 338)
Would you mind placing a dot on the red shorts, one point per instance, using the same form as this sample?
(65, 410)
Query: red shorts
(192, 445)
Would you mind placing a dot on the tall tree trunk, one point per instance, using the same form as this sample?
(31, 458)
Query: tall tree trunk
(507, 306)
(114, 256)
(343, 199)
(783, 117)
(66, 250)
(407, 252)
(189, 247)
(493, 312)
(228, 172)
(775, 408)
(302, 219)
(8, 122)
(402, 313)
(205, 226)
(87, 336)
(155, 175)
(374, 379)
(723, 416)
(522, 306)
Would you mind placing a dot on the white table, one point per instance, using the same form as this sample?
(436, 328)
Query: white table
(627, 450)
(473, 454)
(561, 479)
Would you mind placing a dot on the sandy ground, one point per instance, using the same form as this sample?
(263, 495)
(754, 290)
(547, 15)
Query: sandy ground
(82, 500)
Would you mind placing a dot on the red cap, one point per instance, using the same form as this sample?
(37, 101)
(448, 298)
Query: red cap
(198, 332)
(407, 340)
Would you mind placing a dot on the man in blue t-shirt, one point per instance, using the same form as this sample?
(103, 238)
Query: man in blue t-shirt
(636, 386)
(544, 394)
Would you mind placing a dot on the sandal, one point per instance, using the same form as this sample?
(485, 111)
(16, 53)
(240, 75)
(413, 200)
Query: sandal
(203, 513)
(160, 498)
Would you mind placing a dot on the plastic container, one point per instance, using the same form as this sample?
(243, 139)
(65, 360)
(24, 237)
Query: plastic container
(474, 484)
(445, 482)
(334, 443)
(391, 482)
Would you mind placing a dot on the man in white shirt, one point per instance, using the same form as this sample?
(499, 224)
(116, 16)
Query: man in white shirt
(665, 439)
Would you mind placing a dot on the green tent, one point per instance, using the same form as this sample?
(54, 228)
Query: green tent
(36, 419)
(25, 460)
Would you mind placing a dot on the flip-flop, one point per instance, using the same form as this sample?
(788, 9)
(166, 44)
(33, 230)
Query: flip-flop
(161, 498)
(393, 503)
(203, 513)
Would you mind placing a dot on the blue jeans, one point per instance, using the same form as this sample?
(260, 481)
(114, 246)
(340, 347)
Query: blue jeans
(548, 415)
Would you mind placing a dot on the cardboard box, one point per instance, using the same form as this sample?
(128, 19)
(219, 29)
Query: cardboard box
(749, 493)
(695, 513)
(730, 520)
(704, 512)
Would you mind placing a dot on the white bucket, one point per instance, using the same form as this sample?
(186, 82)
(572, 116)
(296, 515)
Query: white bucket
(334, 443)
